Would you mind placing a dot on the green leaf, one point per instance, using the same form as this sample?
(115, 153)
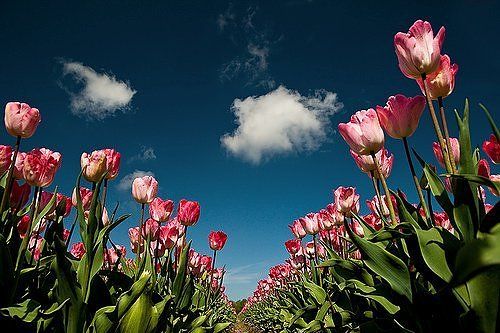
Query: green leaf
(220, 327)
(27, 311)
(494, 127)
(386, 304)
(316, 291)
(381, 262)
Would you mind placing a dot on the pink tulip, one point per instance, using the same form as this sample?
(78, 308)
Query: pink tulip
(441, 82)
(35, 246)
(326, 220)
(373, 221)
(93, 165)
(19, 195)
(492, 149)
(5, 158)
(188, 212)
(357, 228)
(134, 235)
(217, 240)
(363, 133)
(483, 169)
(346, 200)
(40, 167)
(78, 250)
(400, 116)
(455, 150)
(365, 162)
(377, 208)
(19, 166)
(169, 234)
(495, 179)
(418, 51)
(443, 221)
(144, 189)
(150, 229)
(293, 246)
(157, 248)
(336, 216)
(297, 229)
(21, 120)
(65, 234)
(112, 163)
(310, 223)
(160, 210)
(86, 196)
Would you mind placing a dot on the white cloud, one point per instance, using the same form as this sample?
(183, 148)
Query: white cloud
(282, 121)
(100, 95)
(126, 182)
(146, 154)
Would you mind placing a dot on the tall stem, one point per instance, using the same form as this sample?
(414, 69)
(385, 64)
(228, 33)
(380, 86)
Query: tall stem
(447, 135)
(437, 128)
(8, 184)
(415, 180)
(379, 197)
(386, 189)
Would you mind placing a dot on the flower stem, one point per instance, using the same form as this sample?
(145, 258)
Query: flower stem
(415, 180)
(379, 197)
(8, 184)
(437, 128)
(447, 135)
(386, 189)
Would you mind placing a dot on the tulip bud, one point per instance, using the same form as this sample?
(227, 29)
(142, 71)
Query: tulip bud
(441, 82)
(19, 166)
(40, 167)
(188, 212)
(455, 151)
(144, 189)
(492, 149)
(346, 200)
(86, 197)
(400, 116)
(293, 246)
(363, 133)
(297, 229)
(310, 223)
(217, 240)
(112, 163)
(160, 210)
(93, 165)
(19, 195)
(5, 158)
(134, 235)
(78, 250)
(21, 120)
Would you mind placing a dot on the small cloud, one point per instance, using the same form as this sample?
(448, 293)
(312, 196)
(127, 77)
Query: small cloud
(126, 182)
(226, 18)
(281, 121)
(100, 95)
(146, 154)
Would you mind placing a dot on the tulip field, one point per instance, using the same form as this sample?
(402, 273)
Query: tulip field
(432, 265)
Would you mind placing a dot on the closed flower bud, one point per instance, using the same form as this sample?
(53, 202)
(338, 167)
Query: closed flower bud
(188, 212)
(400, 116)
(21, 120)
(363, 133)
(217, 240)
(40, 167)
(144, 189)
(93, 165)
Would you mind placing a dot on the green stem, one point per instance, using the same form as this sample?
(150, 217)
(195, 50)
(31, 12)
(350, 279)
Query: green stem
(447, 135)
(386, 189)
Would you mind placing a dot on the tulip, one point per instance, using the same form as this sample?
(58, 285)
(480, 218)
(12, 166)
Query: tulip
(418, 51)
(169, 234)
(492, 149)
(144, 189)
(86, 197)
(336, 216)
(346, 200)
(217, 240)
(442, 220)
(373, 221)
(483, 169)
(160, 210)
(380, 210)
(23, 225)
(40, 167)
(150, 229)
(400, 116)
(188, 212)
(293, 246)
(78, 250)
(112, 163)
(5, 158)
(65, 234)
(19, 166)
(35, 246)
(440, 83)
(310, 223)
(455, 151)
(363, 133)
(93, 165)
(297, 229)
(326, 220)
(19, 195)
(366, 164)
(135, 243)
(21, 120)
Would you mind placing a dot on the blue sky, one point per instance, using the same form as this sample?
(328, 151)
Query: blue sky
(157, 82)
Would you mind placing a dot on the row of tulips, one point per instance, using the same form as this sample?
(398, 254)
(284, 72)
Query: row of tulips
(429, 266)
(54, 281)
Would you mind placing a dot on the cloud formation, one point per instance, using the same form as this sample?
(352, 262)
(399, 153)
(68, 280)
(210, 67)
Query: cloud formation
(98, 95)
(281, 121)
(146, 154)
(126, 182)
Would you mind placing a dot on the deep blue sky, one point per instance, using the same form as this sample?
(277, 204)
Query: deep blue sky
(173, 55)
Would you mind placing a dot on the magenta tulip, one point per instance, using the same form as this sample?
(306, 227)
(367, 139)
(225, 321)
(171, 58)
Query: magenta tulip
(188, 212)
(86, 196)
(400, 116)
(365, 162)
(19, 166)
(5, 158)
(134, 234)
(144, 189)
(293, 246)
(492, 149)
(40, 167)
(363, 133)
(112, 163)
(21, 120)
(19, 195)
(217, 240)
(455, 151)
(418, 51)
(78, 250)
(297, 229)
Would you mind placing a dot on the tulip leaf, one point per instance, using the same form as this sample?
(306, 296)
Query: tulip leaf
(316, 291)
(494, 127)
(381, 262)
(390, 307)
(219, 327)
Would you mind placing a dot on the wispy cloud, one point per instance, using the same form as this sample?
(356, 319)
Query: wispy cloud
(126, 182)
(250, 273)
(96, 95)
(253, 62)
(281, 121)
(146, 154)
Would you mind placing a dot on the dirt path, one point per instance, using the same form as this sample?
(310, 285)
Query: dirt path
(241, 327)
